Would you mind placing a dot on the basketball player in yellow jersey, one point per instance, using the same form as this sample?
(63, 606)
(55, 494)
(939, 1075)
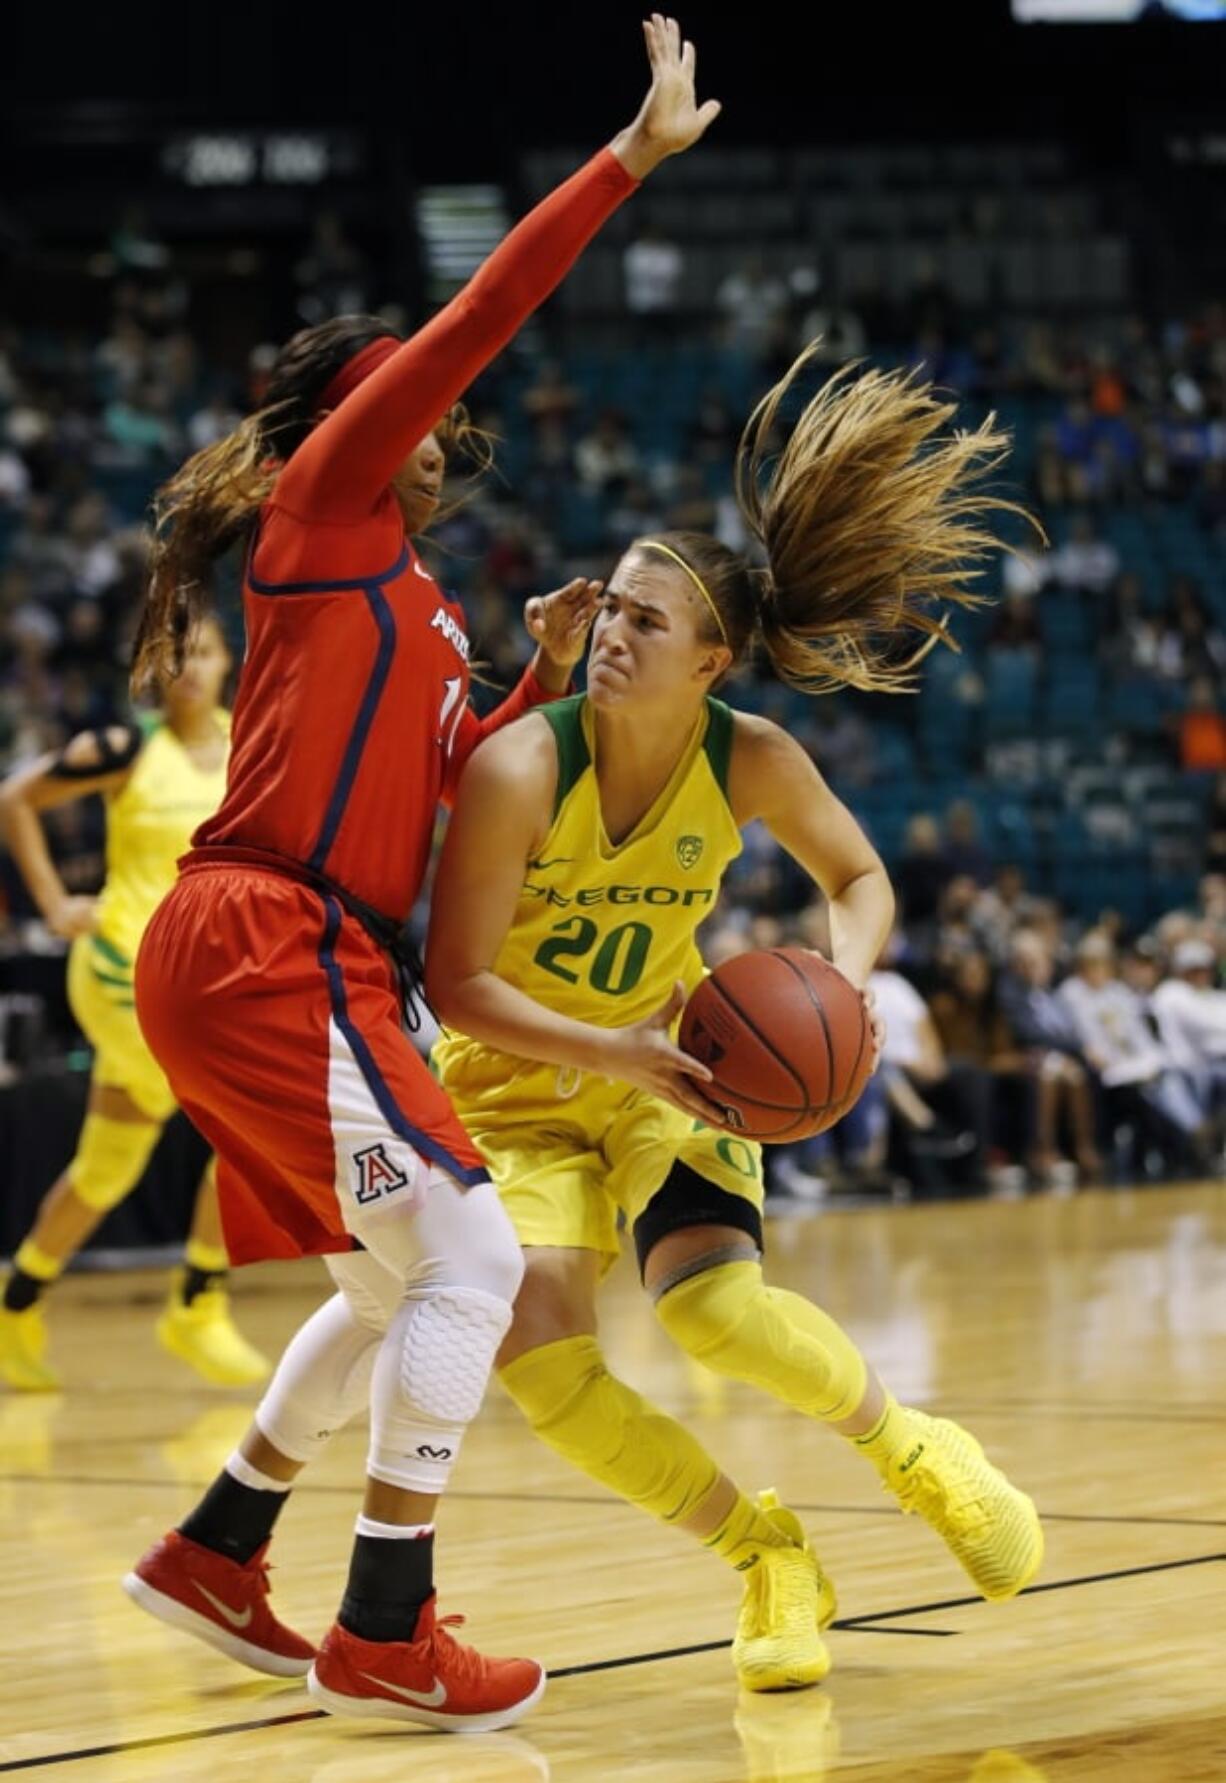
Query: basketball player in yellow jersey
(586, 846)
(159, 779)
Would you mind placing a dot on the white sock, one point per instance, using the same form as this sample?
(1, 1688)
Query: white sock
(391, 1532)
(239, 1468)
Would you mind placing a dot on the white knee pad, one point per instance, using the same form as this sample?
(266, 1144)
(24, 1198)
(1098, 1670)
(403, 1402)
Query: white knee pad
(322, 1380)
(429, 1380)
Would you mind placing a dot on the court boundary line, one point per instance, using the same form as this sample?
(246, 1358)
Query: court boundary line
(829, 1510)
(850, 1624)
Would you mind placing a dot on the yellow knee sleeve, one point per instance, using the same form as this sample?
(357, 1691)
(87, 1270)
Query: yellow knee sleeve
(728, 1318)
(110, 1159)
(604, 1428)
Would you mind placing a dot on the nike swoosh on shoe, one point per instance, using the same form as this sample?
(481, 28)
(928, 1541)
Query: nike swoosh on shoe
(236, 1618)
(435, 1700)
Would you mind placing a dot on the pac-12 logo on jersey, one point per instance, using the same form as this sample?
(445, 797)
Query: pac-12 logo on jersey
(689, 848)
(377, 1174)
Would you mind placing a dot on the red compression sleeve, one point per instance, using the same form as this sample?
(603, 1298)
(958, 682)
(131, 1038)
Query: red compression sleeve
(527, 693)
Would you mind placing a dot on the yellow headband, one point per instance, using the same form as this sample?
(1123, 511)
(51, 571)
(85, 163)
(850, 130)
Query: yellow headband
(695, 578)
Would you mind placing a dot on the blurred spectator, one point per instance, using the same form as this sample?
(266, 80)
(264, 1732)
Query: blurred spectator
(1196, 646)
(1086, 562)
(93, 557)
(752, 301)
(211, 423)
(692, 508)
(1131, 640)
(141, 424)
(1042, 1025)
(1024, 573)
(123, 357)
(1016, 626)
(1191, 1017)
(549, 398)
(1119, 1044)
(606, 455)
(14, 479)
(922, 873)
(635, 513)
(1005, 906)
(1202, 729)
(41, 553)
(841, 743)
(838, 329)
(964, 851)
(654, 268)
(921, 1088)
(713, 435)
(979, 1045)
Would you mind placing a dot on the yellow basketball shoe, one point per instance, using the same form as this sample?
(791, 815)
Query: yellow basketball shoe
(991, 1528)
(23, 1348)
(788, 1601)
(205, 1336)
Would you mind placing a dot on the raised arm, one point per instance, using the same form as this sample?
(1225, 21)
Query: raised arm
(341, 471)
(94, 761)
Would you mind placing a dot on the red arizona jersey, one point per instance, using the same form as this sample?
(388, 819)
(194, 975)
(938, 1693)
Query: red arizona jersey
(352, 718)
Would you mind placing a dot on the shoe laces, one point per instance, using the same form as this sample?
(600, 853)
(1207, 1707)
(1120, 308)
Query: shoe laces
(257, 1571)
(456, 1656)
(779, 1589)
(952, 1497)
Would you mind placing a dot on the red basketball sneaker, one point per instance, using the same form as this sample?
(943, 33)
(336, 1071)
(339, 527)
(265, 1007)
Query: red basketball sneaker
(433, 1678)
(220, 1602)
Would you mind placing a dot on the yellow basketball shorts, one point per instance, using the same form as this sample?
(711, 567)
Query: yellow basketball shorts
(572, 1154)
(100, 993)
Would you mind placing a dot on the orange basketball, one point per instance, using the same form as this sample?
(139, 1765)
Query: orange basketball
(787, 1038)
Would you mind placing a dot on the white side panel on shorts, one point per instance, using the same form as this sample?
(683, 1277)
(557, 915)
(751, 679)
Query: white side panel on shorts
(375, 1168)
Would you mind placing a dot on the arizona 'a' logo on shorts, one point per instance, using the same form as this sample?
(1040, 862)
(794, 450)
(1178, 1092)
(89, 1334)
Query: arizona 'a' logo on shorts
(377, 1174)
(688, 849)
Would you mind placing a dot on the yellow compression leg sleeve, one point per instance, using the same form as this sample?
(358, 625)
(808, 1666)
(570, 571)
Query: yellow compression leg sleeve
(40, 1264)
(729, 1319)
(612, 1434)
(110, 1159)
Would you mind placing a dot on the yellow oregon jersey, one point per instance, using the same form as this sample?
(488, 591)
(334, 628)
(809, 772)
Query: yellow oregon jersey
(602, 932)
(149, 824)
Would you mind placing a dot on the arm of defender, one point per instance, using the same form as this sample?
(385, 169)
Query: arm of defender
(559, 622)
(352, 456)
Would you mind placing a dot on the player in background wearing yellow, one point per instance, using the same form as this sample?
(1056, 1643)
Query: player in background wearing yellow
(587, 844)
(159, 778)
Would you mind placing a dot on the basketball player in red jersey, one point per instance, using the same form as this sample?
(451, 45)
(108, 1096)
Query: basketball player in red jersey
(264, 986)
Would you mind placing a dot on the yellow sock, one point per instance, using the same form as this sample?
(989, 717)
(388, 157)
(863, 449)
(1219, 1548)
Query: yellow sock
(608, 1431)
(887, 1436)
(211, 1259)
(742, 1535)
(728, 1318)
(40, 1264)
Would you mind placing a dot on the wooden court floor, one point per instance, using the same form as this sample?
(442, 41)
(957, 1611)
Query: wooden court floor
(1083, 1340)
